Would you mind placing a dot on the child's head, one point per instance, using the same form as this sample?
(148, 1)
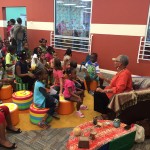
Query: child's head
(19, 20)
(22, 55)
(68, 52)
(57, 64)
(71, 73)
(37, 50)
(25, 45)
(50, 50)
(93, 57)
(40, 73)
(42, 56)
(12, 21)
(12, 49)
(55, 55)
(73, 64)
(6, 42)
(43, 42)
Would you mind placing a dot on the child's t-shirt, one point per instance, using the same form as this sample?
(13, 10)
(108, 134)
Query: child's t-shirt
(38, 98)
(57, 74)
(92, 68)
(68, 84)
(10, 59)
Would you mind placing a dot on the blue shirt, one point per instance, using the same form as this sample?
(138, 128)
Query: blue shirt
(38, 98)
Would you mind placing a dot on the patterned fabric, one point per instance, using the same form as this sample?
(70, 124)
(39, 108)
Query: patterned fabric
(104, 135)
(124, 100)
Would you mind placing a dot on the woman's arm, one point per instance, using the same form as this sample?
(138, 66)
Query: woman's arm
(19, 74)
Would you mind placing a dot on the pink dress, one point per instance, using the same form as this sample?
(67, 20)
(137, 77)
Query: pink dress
(68, 84)
(57, 74)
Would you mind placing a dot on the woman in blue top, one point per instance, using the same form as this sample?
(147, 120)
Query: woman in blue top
(42, 99)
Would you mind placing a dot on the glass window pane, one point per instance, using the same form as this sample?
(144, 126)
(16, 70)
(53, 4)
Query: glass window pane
(72, 23)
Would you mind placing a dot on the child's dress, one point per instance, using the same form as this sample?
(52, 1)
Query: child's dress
(68, 84)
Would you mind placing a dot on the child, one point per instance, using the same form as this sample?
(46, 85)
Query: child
(49, 53)
(52, 60)
(70, 92)
(79, 83)
(43, 46)
(11, 60)
(2, 79)
(58, 76)
(25, 47)
(92, 70)
(67, 58)
(37, 51)
(42, 99)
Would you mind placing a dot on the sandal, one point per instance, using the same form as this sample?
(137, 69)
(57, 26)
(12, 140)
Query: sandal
(11, 147)
(43, 125)
(13, 131)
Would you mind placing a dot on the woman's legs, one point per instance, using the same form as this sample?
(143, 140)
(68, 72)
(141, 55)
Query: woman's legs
(101, 102)
(3, 140)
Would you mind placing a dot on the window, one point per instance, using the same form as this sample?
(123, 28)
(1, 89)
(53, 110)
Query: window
(72, 24)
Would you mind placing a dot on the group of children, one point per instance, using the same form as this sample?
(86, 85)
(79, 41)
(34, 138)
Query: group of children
(48, 66)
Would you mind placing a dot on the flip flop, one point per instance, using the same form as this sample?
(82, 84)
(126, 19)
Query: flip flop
(11, 147)
(13, 131)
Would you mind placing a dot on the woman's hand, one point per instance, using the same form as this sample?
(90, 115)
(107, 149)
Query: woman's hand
(31, 75)
(99, 90)
(101, 76)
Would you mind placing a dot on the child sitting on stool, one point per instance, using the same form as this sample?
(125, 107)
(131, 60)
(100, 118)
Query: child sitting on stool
(42, 99)
(92, 70)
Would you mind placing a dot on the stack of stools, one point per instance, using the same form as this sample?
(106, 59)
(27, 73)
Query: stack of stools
(36, 114)
(6, 93)
(23, 99)
(20, 85)
(65, 107)
(14, 112)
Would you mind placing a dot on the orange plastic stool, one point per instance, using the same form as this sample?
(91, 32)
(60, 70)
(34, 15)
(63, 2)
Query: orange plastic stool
(93, 85)
(65, 107)
(6, 92)
(14, 112)
(7, 100)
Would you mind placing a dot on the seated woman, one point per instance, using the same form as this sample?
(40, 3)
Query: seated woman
(5, 116)
(21, 70)
(121, 82)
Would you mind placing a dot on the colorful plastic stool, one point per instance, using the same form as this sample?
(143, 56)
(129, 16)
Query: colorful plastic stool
(23, 99)
(65, 107)
(6, 92)
(36, 114)
(14, 112)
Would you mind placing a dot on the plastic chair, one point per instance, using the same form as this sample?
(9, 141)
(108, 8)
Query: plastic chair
(84, 62)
